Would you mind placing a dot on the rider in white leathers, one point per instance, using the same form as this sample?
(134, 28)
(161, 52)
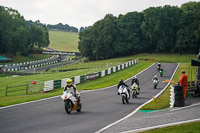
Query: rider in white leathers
(72, 89)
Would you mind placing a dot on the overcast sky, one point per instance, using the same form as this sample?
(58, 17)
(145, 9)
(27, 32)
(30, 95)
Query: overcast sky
(79, 13)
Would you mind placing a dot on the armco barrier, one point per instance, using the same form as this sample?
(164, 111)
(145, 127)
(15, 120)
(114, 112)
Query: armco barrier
(57, 84)
(48, 86)
(53, 84)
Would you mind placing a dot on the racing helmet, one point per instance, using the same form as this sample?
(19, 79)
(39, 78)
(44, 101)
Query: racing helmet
(69, 82)
(155, 76)
(121, 81)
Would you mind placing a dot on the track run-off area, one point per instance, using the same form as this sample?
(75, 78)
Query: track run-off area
(100, 108)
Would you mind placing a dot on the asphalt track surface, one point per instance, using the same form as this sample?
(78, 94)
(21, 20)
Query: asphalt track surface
(100, 108)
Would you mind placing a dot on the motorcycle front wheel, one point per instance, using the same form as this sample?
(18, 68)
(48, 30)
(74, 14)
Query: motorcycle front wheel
(79, 107)
(68, 106)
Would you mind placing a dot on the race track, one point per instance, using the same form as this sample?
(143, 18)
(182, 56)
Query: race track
(100, 108)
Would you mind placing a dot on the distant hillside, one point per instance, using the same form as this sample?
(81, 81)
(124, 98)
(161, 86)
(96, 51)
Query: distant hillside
(63, 41)
(62, 27)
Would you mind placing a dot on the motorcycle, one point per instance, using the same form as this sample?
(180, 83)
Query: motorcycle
(71, 102)
(134, 90)
(124, 93)
(155, 83)
(158, 68)
(161, 72)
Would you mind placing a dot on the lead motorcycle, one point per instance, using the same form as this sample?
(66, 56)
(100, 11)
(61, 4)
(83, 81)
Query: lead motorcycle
(124, 93)
(71, 102)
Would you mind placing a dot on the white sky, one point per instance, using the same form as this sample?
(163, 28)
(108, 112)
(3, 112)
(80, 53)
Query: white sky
(79, 13)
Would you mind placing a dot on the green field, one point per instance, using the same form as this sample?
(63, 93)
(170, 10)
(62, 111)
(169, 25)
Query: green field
(64, 41)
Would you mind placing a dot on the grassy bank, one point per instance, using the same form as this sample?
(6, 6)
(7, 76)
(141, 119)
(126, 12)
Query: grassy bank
(192, 127)
(163, 100)
(64, 41)
(95, 84)
(18, 97)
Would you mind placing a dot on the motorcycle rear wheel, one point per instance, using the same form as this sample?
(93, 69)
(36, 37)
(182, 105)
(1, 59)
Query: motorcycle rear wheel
(134, 95)
(123, 99)
(155, 86)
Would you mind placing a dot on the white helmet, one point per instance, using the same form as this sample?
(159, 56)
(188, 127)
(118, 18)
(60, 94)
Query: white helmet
(155, 76)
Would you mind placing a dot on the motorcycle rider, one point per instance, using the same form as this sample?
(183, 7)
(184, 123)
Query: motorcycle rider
(72, 89)
(159, 65)
(121, 82)
(135, 80)
(155, 78)
(161, 70)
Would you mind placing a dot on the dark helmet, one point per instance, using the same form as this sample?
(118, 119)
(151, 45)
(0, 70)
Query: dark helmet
(121, 81)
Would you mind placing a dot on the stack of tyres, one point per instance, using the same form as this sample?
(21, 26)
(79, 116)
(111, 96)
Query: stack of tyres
(179, 96)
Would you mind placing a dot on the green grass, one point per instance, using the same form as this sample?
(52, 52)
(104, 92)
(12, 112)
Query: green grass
(64, 41)
(95, 84)
(33, 57)
(13, 81)
(163, 100)
(171, 58)
(193, 127)
(99, 65)
(94, 66)
(115, 77)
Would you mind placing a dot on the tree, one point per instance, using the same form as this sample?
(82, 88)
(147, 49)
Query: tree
(129, 39)
(13, 31)
(99, 39)
(39, 37)
(187, 42)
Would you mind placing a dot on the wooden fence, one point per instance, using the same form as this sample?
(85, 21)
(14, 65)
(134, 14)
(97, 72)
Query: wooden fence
(17, 86)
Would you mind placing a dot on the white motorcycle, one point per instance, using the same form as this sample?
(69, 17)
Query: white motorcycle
(124, 93)
(155, 83)
(71, 103)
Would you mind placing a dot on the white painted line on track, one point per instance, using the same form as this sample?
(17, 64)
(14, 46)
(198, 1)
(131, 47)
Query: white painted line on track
(59, 95)
(112, 124)
(28, 102)
(160, 126)
(196, 104)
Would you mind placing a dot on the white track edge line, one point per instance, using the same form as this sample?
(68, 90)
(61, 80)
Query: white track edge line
(110, 125)
(195, 104)
(59, 95)
(161, 126)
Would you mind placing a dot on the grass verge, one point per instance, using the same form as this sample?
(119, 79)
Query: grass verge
(192, 127)
(163, 100)
(94, 84)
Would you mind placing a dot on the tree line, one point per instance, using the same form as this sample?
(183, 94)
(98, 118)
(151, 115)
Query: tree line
(18, 35)
(167, 29)
(62, 27)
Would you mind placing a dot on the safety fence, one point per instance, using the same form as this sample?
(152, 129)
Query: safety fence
(53, 84)
(28, 65)
(33, 86)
